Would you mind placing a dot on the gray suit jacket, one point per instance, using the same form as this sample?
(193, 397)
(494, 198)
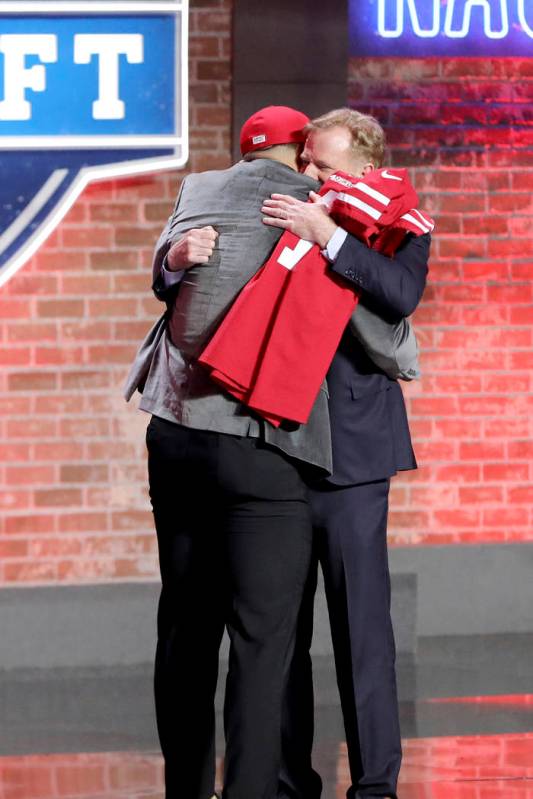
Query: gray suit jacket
(174, 386)
(165, 368)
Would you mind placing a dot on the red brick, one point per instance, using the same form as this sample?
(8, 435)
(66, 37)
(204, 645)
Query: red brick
(113, 212)
(457, 428)
(86, 330)
(32, 284)
(15, 356)
(465, 67)
(514, 427)
(462, 247)
(459, 517)
(47, 356)
(15, 405)
(109, 308)
(58, 497)
(82, 473)
(24, 571)
(421, 428)
(521, 292)
(113, 260)
(503, 384)
(433, 496)
(92, 237)
(511, 158)
(480, 495)
(34, 524)
(82, 427)
(14, 500)
(488, 359)
(522, 181)
(60, 308)
(488, 405)
(522, 271)
(57, 404)
(29, 331)
(459, 472)
(434, 406)
(29, 475)
(32, 381)
(13, 308)
(457, 384)
(11, 453)
(414, 520)
(86, 284)
(115, 450)
(501, 517)
(136, 236)
(520, 495)
(480, 451)
(31, 428)
(54, 547)
(135, 283)
(506, 471)
(82, 522)
(435, 451)
(58, 261)
(59, 451)
(132, 520)
(466, 293)
(521, 450)
(485, 270)
(16, 548)
(521, 315)
(111, 354)
(521, 360)
(131, 331)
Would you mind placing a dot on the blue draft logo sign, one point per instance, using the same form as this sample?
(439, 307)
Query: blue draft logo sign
(426, 28)
(88, 90)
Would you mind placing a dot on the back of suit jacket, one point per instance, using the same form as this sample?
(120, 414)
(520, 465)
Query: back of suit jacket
(173, 384)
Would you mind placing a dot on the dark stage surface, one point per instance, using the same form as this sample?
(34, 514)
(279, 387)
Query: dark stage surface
(466, 712)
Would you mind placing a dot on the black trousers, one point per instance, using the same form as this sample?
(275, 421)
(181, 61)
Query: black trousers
(350, 544)
(234, 535)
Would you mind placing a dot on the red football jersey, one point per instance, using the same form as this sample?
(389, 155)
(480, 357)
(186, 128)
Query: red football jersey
(277, 341)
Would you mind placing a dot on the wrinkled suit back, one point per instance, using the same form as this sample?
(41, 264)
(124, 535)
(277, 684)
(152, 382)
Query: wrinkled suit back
(176, 386)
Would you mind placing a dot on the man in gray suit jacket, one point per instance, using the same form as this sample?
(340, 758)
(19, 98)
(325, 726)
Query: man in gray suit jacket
(235, 549)
(370, 441)
(228, 492)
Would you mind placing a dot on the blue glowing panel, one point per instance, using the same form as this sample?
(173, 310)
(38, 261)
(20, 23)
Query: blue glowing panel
(74, 55)
(89, 89)
(425, 28)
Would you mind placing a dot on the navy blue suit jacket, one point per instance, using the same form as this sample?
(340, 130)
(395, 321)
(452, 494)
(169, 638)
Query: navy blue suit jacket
(370, 432)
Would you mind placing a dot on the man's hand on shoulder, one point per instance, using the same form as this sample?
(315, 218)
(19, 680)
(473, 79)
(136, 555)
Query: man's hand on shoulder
(309, 221)
(194, 247)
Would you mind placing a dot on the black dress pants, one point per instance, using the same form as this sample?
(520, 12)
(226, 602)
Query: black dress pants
(350, 543)
(234, 535)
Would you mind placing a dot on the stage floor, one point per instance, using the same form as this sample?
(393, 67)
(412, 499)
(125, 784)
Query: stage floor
(466, 713)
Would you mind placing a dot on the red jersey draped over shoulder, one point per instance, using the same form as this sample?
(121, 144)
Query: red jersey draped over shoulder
(275, 345)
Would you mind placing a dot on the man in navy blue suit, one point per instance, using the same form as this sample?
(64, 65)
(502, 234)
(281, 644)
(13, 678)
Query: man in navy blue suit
(371, 442)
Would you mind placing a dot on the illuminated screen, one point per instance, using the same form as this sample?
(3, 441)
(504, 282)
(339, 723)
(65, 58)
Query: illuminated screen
(427, 28)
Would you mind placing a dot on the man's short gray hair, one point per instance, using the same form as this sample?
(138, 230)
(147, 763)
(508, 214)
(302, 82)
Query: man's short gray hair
(368, 137)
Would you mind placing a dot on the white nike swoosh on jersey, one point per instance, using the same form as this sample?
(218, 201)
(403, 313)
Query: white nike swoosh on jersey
(385, 174)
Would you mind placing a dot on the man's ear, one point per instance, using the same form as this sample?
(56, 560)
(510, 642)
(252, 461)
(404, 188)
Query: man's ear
(368, 168)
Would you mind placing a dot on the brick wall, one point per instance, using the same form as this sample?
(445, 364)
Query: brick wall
(464, 128)
(73, 495)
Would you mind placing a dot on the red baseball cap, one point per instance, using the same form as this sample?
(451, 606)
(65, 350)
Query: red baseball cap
(275, 124)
